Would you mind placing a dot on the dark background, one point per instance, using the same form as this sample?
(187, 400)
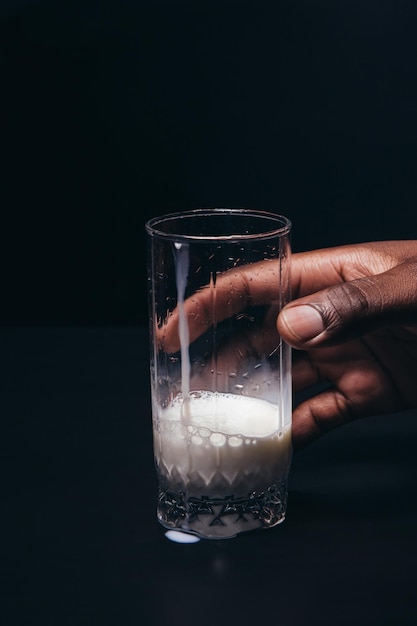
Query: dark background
(115, 111)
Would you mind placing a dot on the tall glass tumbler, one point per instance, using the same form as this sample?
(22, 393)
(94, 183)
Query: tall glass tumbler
(220, 373)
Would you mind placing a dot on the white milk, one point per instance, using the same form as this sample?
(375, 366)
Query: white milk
(232, 445)
(181, 274)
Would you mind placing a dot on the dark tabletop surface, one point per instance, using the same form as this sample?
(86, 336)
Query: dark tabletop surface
(81, 543)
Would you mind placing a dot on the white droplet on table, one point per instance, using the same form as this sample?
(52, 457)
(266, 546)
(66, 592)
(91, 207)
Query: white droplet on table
(180, 537)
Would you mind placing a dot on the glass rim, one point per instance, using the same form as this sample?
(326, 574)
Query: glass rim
(282, 224)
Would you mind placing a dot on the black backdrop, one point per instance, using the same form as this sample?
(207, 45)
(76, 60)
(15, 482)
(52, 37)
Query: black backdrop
(116, 111)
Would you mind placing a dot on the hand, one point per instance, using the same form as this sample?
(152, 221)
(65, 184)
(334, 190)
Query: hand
(355, 320)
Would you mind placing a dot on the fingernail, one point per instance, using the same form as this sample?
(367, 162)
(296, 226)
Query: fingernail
(304, 322)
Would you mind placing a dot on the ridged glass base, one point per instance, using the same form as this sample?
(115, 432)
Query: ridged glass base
(217, 518)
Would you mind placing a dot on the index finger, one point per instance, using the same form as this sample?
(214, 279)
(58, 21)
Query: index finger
(229, 294)
(258, 283)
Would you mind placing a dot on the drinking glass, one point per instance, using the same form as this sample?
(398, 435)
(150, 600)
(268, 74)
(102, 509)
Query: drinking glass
(220, 374)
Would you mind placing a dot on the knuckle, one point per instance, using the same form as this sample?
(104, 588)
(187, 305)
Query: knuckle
(350, 296)
(352, 302)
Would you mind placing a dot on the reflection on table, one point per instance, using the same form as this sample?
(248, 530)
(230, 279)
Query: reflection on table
(83, 545)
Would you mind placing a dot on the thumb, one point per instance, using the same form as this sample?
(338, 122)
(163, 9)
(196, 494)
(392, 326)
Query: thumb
(353, 308)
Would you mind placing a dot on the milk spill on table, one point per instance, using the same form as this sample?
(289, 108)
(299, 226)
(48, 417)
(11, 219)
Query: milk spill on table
(218, 448)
